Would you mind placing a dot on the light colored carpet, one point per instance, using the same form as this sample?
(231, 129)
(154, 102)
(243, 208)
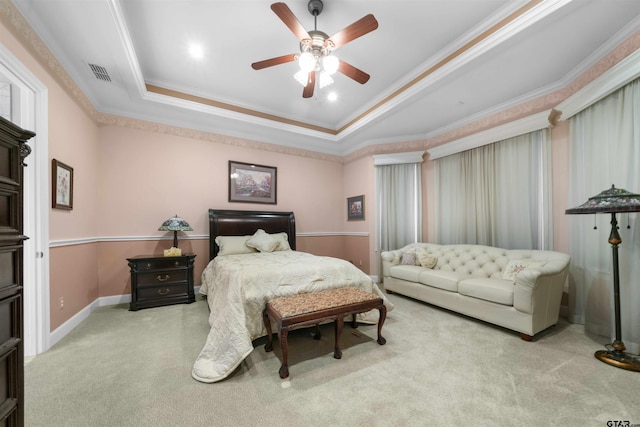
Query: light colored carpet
(122, 368)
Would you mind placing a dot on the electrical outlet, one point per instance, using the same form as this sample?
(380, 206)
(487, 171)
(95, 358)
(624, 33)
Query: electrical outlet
(61, 303)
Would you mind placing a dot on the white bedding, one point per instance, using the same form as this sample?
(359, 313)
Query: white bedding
(237, 288)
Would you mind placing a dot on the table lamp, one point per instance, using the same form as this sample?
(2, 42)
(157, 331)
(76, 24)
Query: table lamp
(175, 224)
(613, 200)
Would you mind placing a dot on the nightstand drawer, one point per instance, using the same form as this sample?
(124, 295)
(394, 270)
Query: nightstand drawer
(166, 277)
(161, 264)
(164, 291)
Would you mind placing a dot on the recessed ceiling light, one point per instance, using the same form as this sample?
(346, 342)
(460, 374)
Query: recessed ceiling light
(332, 96)
(196, 51)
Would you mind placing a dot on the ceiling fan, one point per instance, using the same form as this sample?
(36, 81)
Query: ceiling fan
(316, 57)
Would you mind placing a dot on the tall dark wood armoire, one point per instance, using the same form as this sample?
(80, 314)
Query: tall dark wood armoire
(13, 151)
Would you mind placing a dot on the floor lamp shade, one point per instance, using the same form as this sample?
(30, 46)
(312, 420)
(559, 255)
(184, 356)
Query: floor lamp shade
(175, 224)
(613, 201)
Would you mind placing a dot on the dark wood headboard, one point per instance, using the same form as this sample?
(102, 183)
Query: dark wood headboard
(242, 223)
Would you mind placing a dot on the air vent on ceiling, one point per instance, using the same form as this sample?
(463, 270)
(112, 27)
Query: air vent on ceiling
(100, 72)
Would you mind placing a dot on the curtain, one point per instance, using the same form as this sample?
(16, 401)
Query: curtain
(497, 195)
(399, 205)
(605, 151)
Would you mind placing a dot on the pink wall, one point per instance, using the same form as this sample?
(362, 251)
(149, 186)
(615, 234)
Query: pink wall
(146, 177)
(560, 165)
(73, 281)
(359, 179)
(72, 139)
(428, 201)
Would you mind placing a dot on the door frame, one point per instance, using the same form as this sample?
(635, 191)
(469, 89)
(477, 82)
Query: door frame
(33, 114)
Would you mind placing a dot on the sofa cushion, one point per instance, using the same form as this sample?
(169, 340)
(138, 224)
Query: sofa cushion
(494, 290)
(446, 280)
(406, 272)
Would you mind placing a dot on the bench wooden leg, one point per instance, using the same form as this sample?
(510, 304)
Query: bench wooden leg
(383, 315)
(337, 353)
(354, 324)
(267, 324)
(317, 335)
(284, 346)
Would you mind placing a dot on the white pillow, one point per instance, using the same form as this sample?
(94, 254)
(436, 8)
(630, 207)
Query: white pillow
(263, 241)
(515, 266)
(230, 245)
(283, 241)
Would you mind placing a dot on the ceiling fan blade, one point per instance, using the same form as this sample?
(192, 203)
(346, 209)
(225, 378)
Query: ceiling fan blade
(311, 84)
(290, 20)
(353, 72)
(357, 29)
(273, 61)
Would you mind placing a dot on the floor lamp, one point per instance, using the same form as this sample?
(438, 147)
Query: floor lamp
(613, 201)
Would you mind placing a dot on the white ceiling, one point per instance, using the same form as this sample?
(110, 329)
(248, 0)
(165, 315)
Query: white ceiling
(434, 64)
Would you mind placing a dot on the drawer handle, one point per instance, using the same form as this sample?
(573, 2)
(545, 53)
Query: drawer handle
(162, 279)
(164, 291)
(149, 266)
(177, 264)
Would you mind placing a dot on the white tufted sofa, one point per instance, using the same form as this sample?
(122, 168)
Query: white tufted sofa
(471, 280)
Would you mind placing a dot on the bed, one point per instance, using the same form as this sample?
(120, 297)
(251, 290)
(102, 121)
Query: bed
(240, 279)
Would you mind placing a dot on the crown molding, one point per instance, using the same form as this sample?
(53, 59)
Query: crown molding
(617, 76)
(518, 127)
(398, 158)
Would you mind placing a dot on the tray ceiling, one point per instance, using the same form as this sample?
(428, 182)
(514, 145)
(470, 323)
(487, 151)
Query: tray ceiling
(434, 65)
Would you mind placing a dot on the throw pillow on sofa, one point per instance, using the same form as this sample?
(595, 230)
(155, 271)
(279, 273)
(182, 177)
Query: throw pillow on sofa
(426, 260)
(515, 266)
(408, 258)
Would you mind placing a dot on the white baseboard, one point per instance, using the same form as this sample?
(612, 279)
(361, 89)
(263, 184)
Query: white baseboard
(68, 326)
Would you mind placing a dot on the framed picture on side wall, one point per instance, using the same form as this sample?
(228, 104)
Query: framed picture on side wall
(62, 183)
(355, 208)
(249, 183)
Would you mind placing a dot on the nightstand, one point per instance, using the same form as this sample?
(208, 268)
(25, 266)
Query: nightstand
(159, 280)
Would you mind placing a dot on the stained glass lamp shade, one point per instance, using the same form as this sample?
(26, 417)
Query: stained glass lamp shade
(175, 224)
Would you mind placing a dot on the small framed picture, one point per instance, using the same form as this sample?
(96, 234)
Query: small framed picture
(62, 183)
(355, 208)
(249, 183)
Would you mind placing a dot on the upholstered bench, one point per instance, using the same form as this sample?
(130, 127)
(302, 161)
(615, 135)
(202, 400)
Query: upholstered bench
(314, 308)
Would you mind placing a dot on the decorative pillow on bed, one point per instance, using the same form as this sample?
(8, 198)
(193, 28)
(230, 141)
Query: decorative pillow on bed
(283, 241)
(263, 242)
(515, 266)
(230, 245)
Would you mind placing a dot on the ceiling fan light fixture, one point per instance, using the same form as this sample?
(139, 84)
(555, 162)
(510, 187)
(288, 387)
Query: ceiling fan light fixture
(315, 60)
(302, 77)
(307, 62)
(325, 80)
(330, 64)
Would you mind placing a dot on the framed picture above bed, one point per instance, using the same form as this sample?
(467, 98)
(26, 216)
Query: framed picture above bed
(250, 183)
(355, 208)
